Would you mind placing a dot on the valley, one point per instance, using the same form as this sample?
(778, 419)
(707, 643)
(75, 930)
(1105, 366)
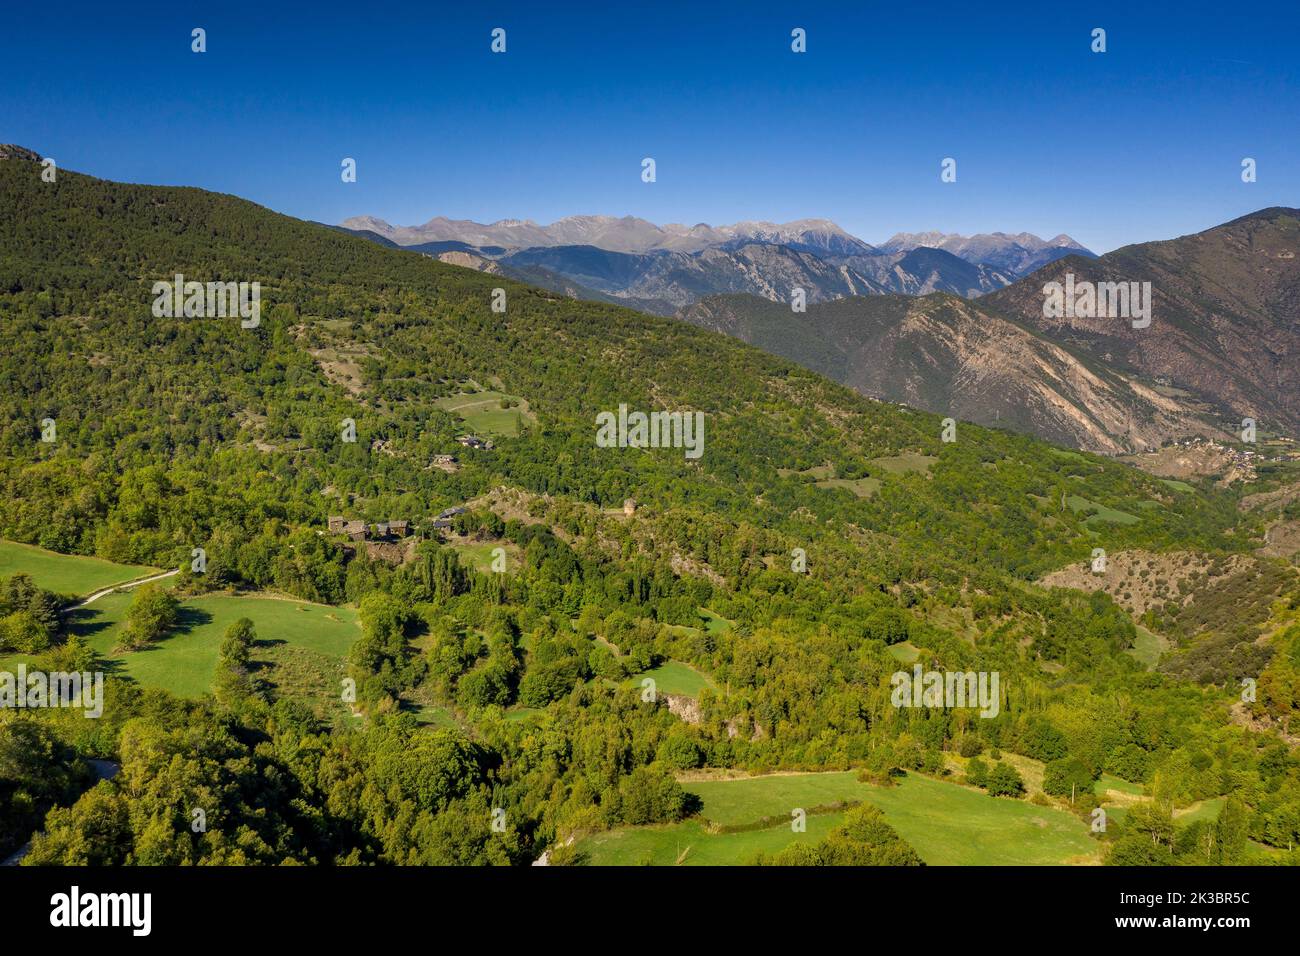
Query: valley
(677, 651)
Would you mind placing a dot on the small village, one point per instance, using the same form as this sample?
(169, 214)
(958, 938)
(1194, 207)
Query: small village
(1241, 457)
(394, 530)
(398, 530)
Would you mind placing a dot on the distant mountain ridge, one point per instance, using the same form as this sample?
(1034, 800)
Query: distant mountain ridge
(1220, 347)
(1021, 253)
(633, 234)
(615, 234)
(670, 280)
(664, 268)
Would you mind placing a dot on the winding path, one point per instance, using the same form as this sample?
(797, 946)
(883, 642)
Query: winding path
(129, 584)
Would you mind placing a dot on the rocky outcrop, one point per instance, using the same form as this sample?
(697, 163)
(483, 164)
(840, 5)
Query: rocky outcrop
(685, 709)
(10, 151)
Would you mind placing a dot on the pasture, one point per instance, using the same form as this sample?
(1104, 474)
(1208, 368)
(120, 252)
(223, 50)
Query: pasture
(673, 677)
(715, 623)
(1103, 515)
(478, 554)
(861, 487)
(295, 638)
(482, 412)
(70, 574)
(902, 464)
(946, 823)
(692, 844)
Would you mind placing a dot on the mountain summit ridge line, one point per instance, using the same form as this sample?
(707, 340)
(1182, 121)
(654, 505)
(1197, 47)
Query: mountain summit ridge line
(635, 234)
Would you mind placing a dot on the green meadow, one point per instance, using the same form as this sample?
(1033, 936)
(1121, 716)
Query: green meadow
(296, 638)
(862, 487)
(745, 801)
(904, 652)
(1147, 648)
(902, 464)
(1206, 811)
(1103, 514)
(952, 825)
(478, 554)
(433, 715)
(520, 712)
(691, 844)
(817, 472)
(66, 573)
(483, 414)
(714, 623)
(1109, 781)
(947, 824)
(673, 677)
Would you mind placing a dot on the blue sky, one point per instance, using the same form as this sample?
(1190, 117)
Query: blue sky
(1142, 142)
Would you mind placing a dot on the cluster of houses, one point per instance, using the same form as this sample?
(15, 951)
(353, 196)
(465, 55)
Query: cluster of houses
(473, 441)
(1242, 462)
(1238, 456)
(443, 521)
(360, 531)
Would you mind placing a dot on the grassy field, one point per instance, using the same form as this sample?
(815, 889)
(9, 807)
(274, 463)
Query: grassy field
(516, 714)
(1110, 782)
(735, 803)
(823, 476)
(673, 677)
(908, 461)
(817, 472)
(483, 414)
(862, 487)
(691, 844)
(432, 715)
(295, 637)
(947, 824)
(66, 573)
(905, 652)
(1147, 648)
(1031, 771)
(951, 825)
(1206, 810)
(1120, 796)
(714, 623)
(478, 554)
(1103, 515)
(1068, 455)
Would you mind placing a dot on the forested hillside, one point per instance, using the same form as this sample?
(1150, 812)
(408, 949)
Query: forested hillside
(182, 433)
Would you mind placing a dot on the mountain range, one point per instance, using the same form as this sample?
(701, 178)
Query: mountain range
(616, 234)
(1019, 255)
(884, 319)
(1221, 346)
(661, 269)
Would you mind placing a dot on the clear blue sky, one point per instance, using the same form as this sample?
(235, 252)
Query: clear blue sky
(1142, 142)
